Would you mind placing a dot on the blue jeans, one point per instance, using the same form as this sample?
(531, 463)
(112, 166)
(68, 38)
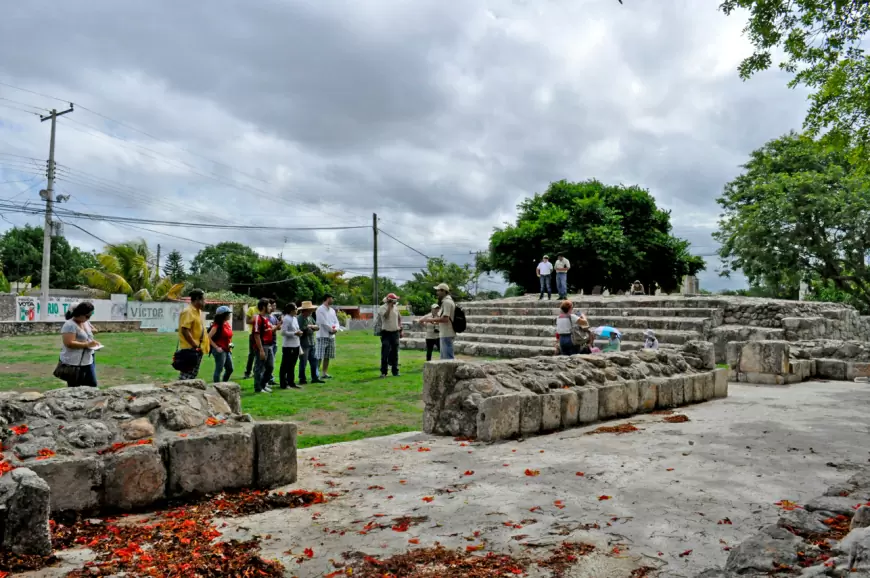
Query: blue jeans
(307, 355)
(562, 284)
(223, 360)
(545, 286)
(263, 368)
(447, 348)
(566, 345)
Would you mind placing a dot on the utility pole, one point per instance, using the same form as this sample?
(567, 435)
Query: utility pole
(48, 195)
(157, 268)
(375, 261)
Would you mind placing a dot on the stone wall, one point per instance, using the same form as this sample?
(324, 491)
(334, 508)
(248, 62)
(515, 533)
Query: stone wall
(129, 447)
(18, 328)
(8, 307)
(521, 397)
(782, 362)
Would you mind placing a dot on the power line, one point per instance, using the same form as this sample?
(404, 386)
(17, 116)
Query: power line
(403, 243)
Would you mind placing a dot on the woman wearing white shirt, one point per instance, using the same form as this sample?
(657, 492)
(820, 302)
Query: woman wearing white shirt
(290, 351)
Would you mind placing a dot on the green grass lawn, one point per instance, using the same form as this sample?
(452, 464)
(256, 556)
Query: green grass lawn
(354, 405)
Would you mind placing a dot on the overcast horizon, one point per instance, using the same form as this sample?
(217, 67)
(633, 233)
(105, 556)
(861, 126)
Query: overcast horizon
(440, 117)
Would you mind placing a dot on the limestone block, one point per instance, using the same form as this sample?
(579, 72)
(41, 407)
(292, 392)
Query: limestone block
(143, 405)
(498, 417)
(861, 519)
(631, 397)
(612, 401)
(765, 357)
(551, 412)
(209, 462)
(134, 477)
(720, 382)
(232, 394)
(665, 386)
(831, 369)
(801, 368)
(647, 395)
(570, 408)
(181, 417)
(732, 353)
(857, 369)
(761, 378)
(217, 405)
(28, 501)
(707, 385)
(76, 483)
(438, 379)
(699, 354)
(759, 553)
(86, 435)
(688, 389)
(531, 414)
(588, 397)
(275, 453)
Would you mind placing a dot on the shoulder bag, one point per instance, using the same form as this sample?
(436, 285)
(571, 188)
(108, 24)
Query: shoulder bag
(184, 360)
(67, 372)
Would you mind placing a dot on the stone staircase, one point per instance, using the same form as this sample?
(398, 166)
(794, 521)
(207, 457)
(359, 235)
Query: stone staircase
(525, 327)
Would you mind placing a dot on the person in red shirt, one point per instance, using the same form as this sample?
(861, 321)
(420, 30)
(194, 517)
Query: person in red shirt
(221, 335)
(264, 339)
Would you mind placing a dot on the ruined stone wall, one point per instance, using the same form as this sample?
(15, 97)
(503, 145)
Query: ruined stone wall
(782, 362)
(8, 306)
(18, 328)
(128, 447)
(799, 319)
(520, 397)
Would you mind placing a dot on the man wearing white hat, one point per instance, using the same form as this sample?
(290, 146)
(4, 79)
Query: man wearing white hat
(391, 332)
(444, 320)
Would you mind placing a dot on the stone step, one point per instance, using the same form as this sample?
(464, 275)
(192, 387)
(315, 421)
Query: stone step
(538, 334)
(610, 312)
(586, 302)
(699, 324)
(502, 350)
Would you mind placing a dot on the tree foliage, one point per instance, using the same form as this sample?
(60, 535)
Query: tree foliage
(821, 41)
(174, 268)
(21, 257)
(419, 292)
(125, 268)
(799, 212)
(611, 234)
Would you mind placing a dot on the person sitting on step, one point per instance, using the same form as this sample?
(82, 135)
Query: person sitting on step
(649, 340)
(637, 288)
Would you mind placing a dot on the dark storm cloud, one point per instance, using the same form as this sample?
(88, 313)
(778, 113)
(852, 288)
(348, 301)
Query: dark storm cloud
(438, 116)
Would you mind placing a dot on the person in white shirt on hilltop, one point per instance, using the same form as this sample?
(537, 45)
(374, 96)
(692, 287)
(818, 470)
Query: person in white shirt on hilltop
(327, 323)
(562, 267)
(545, 270)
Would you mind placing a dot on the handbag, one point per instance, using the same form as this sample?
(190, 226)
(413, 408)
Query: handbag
(184, 360)
(66, 372)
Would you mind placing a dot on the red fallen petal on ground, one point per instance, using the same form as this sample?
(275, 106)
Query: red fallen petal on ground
(602, 498)
(477, 548)
(581, 474)
(424, 450)
(533, 473)
(413, 541)
(20, 430)
(535, 509)
(351, 468)
(468, 473)
(724, 521)
(428, 499)
(309, 552)
(686, 553)
(376, 487)
(403, 481)
(788, 505)
(669, 470)
(463, 445)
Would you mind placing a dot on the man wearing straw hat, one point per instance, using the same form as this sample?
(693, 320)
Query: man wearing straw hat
(308, 350)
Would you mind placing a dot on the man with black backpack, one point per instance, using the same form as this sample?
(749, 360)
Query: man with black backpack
(450, 320)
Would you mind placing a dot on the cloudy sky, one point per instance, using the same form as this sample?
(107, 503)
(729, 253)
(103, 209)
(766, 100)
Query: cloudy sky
(439, 116)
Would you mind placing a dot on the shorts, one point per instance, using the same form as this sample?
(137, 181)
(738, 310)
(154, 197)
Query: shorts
(325, 348)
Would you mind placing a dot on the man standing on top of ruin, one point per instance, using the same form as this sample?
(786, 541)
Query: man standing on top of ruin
(545, 269)
(562, 267)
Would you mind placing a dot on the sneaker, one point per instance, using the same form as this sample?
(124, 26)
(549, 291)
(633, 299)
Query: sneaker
(294, 386)
(397, 374)
(303, 382)
(317, 381)
(325, 376)
(267, 389)
(383, 376)
(283, 386)
(247, 376)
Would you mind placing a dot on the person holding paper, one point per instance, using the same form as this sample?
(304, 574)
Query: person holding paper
(78, 345)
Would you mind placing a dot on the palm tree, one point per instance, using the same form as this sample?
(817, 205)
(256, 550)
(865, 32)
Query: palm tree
(125, 268)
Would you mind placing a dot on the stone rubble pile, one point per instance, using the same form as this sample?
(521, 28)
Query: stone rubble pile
(782, 362)
(827, 536)
(521, 397)
(128, 447)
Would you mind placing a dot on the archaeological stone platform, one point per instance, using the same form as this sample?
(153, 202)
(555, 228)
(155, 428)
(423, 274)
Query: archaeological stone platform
(128, 447)
(521, 397)
(525, 327)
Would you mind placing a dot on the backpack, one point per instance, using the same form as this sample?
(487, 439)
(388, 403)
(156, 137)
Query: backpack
(459, 322)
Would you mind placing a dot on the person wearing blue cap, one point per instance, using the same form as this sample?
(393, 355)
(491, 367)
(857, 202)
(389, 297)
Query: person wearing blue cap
(221, 335)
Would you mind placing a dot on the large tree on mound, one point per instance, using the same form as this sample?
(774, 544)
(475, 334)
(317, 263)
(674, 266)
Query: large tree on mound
(611, 234)
(799, 212)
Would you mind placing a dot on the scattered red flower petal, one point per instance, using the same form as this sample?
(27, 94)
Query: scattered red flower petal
(788, 505)
(309, 552)
(686, 553)
(20, 430)
(428, 499)
(468, 473)
(581, 474)
(422, 449)
(724, 521)
(602, 498)
(414, 541)
(116, 447)
(679, 418)
(533, 473)
(615, 429)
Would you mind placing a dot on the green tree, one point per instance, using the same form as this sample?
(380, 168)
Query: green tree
(611, 234)
(799, 212)
(229, 256)
(821, 43)
(361, 290)
(124, 268)
(419, 292)
(5, 287)
(21, 255)
(174, 268)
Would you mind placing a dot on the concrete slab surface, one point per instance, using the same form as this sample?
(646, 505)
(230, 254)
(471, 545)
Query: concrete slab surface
(670, 485)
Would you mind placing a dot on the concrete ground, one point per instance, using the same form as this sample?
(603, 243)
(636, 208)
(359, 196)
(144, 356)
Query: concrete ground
(670, 485)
